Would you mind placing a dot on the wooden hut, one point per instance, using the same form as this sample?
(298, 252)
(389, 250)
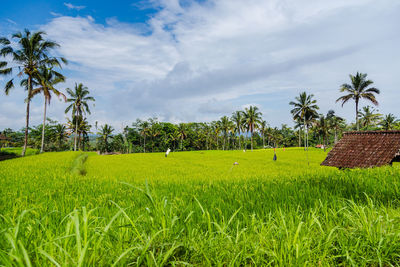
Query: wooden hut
(365, 149)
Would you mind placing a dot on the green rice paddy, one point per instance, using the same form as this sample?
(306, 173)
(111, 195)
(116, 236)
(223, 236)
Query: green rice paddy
(197, 208)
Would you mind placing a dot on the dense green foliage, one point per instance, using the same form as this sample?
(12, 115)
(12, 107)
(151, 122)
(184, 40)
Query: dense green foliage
(197, 208)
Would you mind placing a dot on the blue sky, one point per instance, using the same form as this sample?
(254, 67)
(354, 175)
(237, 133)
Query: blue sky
(200, 60)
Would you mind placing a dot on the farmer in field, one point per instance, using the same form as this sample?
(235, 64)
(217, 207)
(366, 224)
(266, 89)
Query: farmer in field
(166, 153)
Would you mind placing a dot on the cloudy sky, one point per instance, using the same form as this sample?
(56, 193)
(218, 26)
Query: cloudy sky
(199, 60)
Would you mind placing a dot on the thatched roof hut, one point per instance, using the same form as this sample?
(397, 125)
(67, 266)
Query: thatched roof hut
(3, 137)
(365, 149)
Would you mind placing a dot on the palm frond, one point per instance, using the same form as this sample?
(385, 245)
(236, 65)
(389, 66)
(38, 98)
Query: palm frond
(9, 85)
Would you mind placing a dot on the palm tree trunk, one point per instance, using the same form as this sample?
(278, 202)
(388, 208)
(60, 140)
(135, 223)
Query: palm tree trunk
(299, 137)
(28, 103)
(182, 144)
(44, 125)
(144, 145)
(358, 127)
(305, 134)
(239, 140)
(251, 140)
(76, 131)
(79, 141)
(263, 140)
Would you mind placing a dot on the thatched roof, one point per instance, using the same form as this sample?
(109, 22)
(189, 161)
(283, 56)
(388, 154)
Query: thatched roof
(365, 149)
(3, 137)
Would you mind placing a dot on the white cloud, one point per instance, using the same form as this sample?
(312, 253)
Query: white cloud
(71, 6)
(55, 14)
(200, 61)
(11, 21)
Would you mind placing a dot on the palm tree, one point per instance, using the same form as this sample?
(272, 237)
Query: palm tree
(298, 125)
(225, 125)
(60, 134)
(182, 132)
(32, 52)
(144, 131)
(207, 131)
(105, 133)
(174, 137)
(216, 128)
(238, 120)
(79, 99)
(83, 130)
(80, 126)
(369, 117)
(305, 109)
(336, 123)
(47, 78)
(263, 130)
(154, 131)
(389, 122)
(252, 119)
(322, 127)
(357, 90)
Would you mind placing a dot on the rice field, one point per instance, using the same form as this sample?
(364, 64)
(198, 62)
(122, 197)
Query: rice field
(197, 208)
(18, 150)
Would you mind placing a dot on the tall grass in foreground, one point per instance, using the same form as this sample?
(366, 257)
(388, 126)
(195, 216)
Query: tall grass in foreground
(194, 208)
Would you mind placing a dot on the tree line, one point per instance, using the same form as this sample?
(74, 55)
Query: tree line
(28, 59)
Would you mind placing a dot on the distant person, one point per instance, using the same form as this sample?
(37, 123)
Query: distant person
(166, 153)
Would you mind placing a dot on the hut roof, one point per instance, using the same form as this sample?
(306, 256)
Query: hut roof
(3, 137)
(364, 149)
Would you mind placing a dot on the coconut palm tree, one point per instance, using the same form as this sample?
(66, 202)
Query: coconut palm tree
(47, 78)
(174, 137)
(83, 130)
(368, 117)
(182, 132)
(304, 109)
(216, 129)
(252, 118)
(79, 99)
(238, 120)
(263, 129)
(79, 125)
(31, 53)
(336, 123)
(357, 90)
(207, 131)
(322, 128)
(105, 133)
(60, 134)
(154, 131)
(389, 122)
(298, 125)
(144, 131)
(225, 125)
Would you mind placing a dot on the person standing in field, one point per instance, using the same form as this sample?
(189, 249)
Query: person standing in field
(166, 153)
